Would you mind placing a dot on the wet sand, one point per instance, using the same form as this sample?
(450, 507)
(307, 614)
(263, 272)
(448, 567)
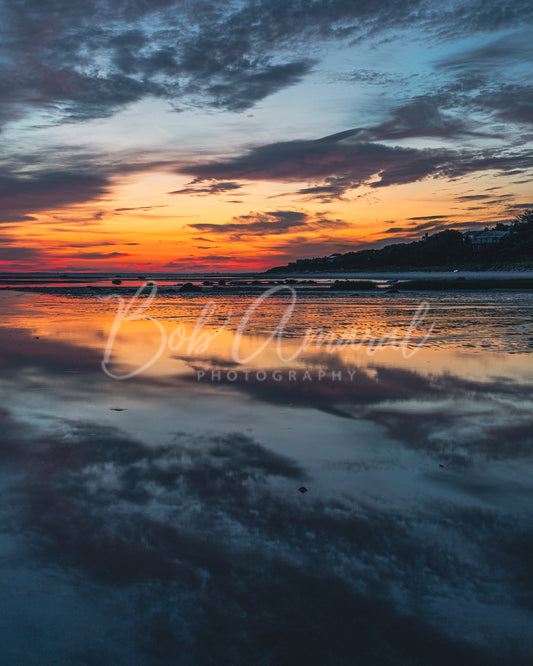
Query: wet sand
(158, 519)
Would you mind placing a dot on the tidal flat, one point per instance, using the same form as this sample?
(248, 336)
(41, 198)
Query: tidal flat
(192, 490)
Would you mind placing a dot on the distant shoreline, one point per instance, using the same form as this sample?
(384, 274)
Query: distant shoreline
(374, 274)
(504, 274)
(330, 285)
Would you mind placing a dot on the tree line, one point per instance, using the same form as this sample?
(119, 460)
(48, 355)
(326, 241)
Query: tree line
(445, 249)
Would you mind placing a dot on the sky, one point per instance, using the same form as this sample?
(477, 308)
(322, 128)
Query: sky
(169, 135)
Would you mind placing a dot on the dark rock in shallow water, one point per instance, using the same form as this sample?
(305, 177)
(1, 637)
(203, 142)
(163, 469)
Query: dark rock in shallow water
(189, 288)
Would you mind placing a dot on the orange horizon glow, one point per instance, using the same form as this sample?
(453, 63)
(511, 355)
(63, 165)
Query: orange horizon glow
(138, 225)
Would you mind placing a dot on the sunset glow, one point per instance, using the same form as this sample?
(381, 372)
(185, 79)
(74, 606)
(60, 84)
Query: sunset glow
(241, 136)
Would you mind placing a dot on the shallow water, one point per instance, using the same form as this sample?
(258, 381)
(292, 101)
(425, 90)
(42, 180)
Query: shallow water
(156, 519)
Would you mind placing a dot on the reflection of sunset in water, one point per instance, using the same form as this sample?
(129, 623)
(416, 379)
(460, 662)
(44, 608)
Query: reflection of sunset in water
(183, 481)
(474, 337)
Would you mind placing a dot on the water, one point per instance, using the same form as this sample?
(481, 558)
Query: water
(158, 519)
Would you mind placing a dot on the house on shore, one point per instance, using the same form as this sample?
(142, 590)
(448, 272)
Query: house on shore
(482, 238)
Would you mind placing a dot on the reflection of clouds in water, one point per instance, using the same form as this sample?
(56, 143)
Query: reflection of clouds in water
(457, 434)
(212, 554)
(442, 414)
(224, 557)
(19, 349)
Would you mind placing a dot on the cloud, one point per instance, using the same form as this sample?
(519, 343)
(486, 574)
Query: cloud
(430, 217)
(473, 197)
(511, 103)
(269, 223)
(80, 65)
(19, 254)
(333, 188)
(422, 117)
(413, 231)
(215, 188)
(95, 244)
(242, 92)
(121, 210)
(97, 255)
(328, 157)
(373, 77)
(506, 50)
(299, 246)
(273, 222)
(336, 163)
(490, 78)
(23, 195)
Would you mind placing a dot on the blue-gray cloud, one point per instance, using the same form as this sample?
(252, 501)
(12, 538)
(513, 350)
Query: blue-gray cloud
(337, 163)
(81, 62)
(21, 194)
(269, 222)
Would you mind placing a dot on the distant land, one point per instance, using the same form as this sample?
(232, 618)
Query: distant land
(502, 247)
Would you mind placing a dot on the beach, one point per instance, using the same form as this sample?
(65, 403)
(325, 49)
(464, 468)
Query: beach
(173, 495)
